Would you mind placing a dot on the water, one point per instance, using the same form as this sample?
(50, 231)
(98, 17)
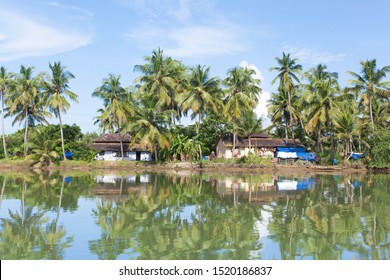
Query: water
(194, 217)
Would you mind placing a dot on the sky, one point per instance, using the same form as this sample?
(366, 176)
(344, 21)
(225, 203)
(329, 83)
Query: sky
(95, 38)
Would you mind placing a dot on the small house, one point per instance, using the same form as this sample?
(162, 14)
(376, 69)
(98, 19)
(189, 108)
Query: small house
(259, 144)
(109, 147)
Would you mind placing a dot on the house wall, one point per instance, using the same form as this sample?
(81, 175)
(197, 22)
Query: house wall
(146, 156)
(223, 152)
(130, 156)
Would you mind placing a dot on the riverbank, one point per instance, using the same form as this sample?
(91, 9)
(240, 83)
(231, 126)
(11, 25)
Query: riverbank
(20, 165)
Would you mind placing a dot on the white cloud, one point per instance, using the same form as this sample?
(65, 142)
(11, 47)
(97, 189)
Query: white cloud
(311, 55)
(190, 41)
(261, 109)
(26, 36)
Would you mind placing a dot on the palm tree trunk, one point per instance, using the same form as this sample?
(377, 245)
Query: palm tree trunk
(234, 143)
(155, 152)
(2, 190)
(62, 135)
(121, 143)
(60, 201)
(286, 129)
(26, 135)
(2, 122)
(371, 114)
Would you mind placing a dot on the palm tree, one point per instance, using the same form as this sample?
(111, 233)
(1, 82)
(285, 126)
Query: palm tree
(202, 95)
(345, 122)
(370, 84)
(26, 101)
(243, 92)
(116, 106)
(4, 79)
(319, 97)
(57, 89)
(43, 147)
(249, 123)
(149, 126)
(280, 111)
(288, 70)
(159, 80)
(322, 103)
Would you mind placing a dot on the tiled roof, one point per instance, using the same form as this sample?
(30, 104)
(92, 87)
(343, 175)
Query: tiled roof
(258, 135)
(107, 138)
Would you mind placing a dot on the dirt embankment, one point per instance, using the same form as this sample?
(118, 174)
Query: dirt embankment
(187, 166)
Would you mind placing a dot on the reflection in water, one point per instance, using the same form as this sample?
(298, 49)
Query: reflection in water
(204, 216)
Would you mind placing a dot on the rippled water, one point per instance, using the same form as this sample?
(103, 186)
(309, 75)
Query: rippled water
(202, 216)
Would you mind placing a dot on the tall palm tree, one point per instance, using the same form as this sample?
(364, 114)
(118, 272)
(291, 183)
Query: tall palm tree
(280, 111)
(202, 94)
(116, 106)
(322, 103)
(57, 89)
(26, 101)
(370, 84)
(243, 91)
(319, 97)
(159, 80)
(288, 71)
(345, 123)
(150, 126)
(4, 79)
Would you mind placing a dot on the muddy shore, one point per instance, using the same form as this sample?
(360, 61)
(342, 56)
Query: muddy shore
(187, 167)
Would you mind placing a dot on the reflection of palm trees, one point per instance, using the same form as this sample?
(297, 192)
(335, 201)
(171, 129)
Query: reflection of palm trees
(26, 235)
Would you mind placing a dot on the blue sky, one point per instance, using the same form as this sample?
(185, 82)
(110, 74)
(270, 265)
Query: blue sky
(96, 38)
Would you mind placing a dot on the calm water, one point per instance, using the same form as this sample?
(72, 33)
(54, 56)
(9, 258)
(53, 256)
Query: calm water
(208, 216)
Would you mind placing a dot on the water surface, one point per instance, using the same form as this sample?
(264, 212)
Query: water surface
(194, 217)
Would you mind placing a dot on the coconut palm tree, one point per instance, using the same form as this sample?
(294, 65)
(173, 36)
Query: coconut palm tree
(43, 147)
(160, 80)
(57, 89)
(322, 103)
(249, 123)
(370, 84)
(280, 111)
(150, 126)
(26, 101)
(4, 79)
(116, 106)
(288, 71)
(345, 122)
(243, 91)
(202, 94)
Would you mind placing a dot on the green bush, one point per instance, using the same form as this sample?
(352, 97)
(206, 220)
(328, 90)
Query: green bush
(379, 142)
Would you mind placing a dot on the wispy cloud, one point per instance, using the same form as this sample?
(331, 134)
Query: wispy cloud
(182, 10)
(311, 55)
(190, 41)
(25, 35)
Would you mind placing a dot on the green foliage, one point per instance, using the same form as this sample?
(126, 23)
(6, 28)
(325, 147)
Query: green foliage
(253, 159)
(380, 148)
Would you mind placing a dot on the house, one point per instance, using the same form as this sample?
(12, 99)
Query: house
(109, 147)
(257, 143)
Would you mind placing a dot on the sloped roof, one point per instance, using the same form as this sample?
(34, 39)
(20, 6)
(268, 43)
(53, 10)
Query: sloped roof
(227, 139)
(116, 137)
(112, 142)
(258, 135)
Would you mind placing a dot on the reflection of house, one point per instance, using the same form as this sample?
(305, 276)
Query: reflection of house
(109, 147)
(258, 143)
